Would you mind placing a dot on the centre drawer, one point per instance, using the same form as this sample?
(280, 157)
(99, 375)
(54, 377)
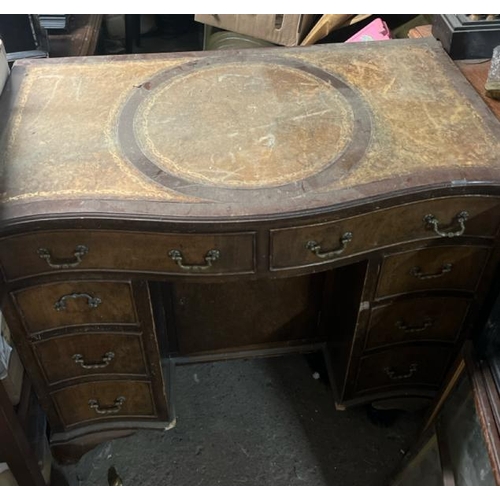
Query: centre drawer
(78, 355)
(104, 400)
(422, 319)
(164, 253)
(315, 244)
(69, 303)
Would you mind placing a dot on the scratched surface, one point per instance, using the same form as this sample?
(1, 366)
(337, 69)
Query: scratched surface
(60, 139)
(242, 125)
(257, 129)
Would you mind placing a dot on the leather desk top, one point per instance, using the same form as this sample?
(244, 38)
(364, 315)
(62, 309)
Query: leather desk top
(239, 134)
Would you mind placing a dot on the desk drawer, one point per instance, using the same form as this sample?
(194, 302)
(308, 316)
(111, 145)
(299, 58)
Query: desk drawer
(59, 251)
(437, 268)
(319, 243)
(91, 354)
(59, 305)
(429, 318)
(104, 400)
(410, 365)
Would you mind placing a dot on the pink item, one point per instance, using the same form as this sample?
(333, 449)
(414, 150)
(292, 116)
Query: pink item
(376, 30)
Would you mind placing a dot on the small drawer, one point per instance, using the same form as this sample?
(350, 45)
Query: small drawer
(436, 268)
(78, 355)
(316, 244)
(410, 365)
(65, 251)
(429, 318)
(82, 403)
(59, 305)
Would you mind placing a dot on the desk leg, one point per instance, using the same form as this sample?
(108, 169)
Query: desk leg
(14, 446)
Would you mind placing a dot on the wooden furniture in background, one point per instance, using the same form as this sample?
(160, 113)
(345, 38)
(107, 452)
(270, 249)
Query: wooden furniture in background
(423, 31)
(80, 39)
(213, 206)
(14, 446)
(476, 73)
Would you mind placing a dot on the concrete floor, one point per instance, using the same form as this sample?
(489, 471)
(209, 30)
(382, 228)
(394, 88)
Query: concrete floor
(255, 422)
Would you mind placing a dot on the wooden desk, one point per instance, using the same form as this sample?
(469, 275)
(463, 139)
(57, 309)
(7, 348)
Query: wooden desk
(200, 206)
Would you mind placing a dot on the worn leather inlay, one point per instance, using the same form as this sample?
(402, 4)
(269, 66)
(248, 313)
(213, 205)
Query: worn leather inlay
(223, 130)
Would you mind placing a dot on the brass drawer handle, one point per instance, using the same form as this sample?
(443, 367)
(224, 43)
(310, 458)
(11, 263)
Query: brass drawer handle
(414, 329)
(106, 359)
(107, 410)
(391, 373)
(417, 272)
(92, 302)
(210, 258)
(78, 254)
(316, 249)
(461, 218)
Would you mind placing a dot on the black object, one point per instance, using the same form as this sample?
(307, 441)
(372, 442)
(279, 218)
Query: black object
(463, 38)
(173, 25)
(132, 32)
(382, 418)
(23, 37)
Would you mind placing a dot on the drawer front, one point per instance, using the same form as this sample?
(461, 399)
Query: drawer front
(403, 366)
(316, 244)
(87, 354)
(56, 251)
(59, 305)
(437, 268)
(104, 401)
(430, 318)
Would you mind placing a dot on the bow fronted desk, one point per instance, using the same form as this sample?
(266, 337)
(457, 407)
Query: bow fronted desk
(177, 208)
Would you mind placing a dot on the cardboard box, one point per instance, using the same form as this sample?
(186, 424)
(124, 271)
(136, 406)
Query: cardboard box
(281, 29)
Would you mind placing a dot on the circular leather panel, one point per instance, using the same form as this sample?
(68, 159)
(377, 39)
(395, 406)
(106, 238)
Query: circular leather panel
(227, 130)
(244, 125)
